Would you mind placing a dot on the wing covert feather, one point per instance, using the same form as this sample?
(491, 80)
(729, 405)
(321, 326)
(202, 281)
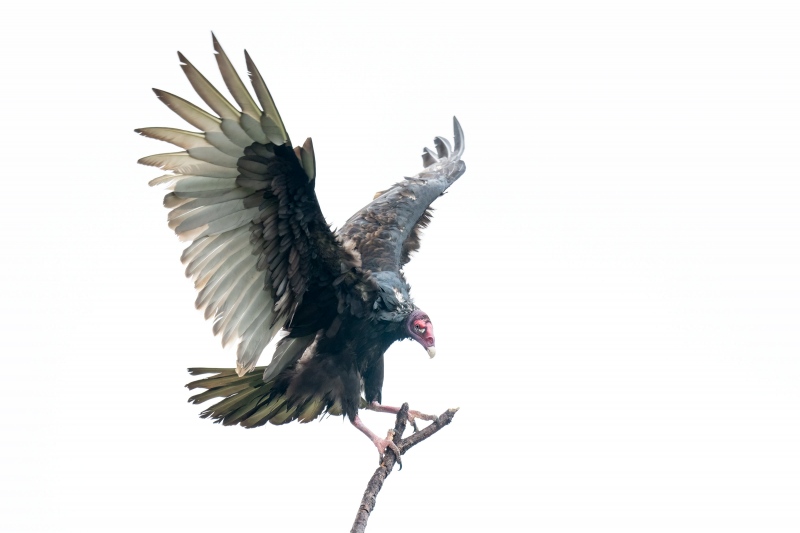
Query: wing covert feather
(387, 230)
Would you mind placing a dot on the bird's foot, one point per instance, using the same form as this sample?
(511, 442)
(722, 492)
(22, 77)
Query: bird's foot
(382, 444)
(379, 443)
(412, 414)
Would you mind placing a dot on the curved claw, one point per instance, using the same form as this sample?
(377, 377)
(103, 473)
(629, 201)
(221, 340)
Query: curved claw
(382, 444)
(413, 415)
(379, 443)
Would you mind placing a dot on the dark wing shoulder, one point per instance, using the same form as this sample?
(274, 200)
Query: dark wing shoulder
(245, 200)
(388, 229)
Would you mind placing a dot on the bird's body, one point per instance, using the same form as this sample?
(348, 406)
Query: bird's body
(264, 259)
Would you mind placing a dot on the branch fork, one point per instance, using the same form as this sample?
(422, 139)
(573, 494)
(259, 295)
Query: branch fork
(389, 459)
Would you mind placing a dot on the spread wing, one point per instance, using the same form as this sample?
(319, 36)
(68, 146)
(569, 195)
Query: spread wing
(245, 200)
(388, 229)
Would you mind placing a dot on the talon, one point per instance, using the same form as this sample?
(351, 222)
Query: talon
(379, 443)
(382, 444)
(413, 415)
(396, 451)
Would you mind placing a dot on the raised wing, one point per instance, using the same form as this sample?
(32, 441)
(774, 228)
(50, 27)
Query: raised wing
(245, 199)
(388, 229)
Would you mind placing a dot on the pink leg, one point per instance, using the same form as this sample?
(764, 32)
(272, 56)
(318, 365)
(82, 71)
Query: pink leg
(379, 443)
(412, 415)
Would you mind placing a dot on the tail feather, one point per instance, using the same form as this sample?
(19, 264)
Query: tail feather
(251, 402)
(232, 405)
(240, 411)
(220, 381)
(220, 392)
(265, 412)
(219, 371)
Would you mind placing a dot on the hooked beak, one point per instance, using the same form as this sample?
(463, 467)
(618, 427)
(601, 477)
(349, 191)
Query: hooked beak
(421, 330)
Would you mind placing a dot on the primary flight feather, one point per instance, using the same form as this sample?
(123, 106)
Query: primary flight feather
(264, 260)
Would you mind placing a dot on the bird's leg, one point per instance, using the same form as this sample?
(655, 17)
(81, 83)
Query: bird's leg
(379, 443)
(412, 415)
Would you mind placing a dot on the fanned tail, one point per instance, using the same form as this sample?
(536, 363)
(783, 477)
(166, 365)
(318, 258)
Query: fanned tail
(249, 401)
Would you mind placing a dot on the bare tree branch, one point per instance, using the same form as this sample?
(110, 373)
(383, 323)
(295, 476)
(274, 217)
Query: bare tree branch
(376, 481)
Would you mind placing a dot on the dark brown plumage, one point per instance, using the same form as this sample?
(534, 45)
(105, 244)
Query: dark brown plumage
(264, 259)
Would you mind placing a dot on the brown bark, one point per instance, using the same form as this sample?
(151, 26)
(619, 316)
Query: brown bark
(376, 481)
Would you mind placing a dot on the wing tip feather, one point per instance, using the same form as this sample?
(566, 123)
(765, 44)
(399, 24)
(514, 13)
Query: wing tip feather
(458, 137)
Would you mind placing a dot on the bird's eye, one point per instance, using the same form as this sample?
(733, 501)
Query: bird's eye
(419, 328)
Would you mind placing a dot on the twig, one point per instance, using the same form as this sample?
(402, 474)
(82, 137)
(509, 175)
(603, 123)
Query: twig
(376, 481)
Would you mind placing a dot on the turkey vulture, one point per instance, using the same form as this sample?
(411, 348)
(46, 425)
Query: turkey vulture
(264, 259)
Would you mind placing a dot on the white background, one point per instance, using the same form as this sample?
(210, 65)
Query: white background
(615, 282)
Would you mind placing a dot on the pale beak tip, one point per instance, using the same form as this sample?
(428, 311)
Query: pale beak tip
(431, 351)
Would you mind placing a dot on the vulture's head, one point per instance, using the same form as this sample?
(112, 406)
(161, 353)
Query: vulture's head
(421, 330)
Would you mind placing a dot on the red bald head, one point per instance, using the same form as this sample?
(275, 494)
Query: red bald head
(420, 329)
